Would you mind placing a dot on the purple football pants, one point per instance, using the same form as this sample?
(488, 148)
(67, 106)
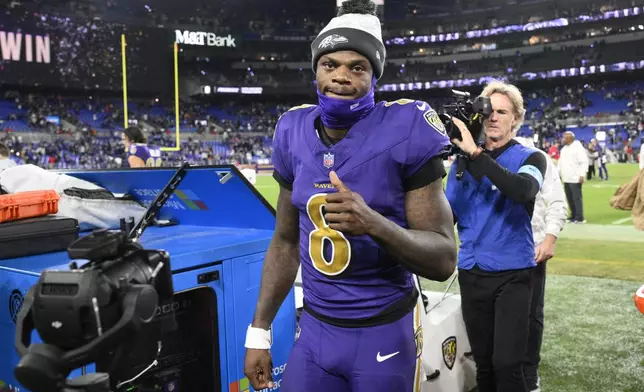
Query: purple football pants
(384, 358)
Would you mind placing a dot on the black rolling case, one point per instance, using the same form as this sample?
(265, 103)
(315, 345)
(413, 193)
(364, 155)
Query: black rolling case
(27, 237)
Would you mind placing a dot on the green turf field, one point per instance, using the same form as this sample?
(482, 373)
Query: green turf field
(594, 340)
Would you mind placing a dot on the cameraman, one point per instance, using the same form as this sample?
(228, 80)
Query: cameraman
(493, 205)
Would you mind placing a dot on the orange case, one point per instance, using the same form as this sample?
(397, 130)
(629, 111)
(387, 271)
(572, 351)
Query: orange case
(30, 204)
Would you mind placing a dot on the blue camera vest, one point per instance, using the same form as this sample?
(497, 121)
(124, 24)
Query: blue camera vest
(495, 232)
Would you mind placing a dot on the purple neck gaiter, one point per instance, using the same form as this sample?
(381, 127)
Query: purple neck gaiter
(342, 113)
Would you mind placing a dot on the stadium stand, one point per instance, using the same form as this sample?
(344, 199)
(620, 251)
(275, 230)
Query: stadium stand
(241, 133)
(532, 43)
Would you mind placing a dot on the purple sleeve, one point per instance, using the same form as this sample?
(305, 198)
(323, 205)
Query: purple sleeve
(427, 139)
(281, 158)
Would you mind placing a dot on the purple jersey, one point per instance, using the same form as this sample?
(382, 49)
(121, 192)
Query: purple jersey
(149, 154)
(599, 150)
(351, 277)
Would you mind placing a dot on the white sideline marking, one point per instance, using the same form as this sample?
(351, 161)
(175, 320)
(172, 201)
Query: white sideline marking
(607, 232)
(620, 221)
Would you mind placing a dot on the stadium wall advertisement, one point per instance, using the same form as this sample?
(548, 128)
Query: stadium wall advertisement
(202, 38)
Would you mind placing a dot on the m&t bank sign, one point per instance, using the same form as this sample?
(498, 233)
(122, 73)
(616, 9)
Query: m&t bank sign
(202, 38)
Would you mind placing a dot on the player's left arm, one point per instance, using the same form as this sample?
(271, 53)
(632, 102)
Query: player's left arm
(428, 247)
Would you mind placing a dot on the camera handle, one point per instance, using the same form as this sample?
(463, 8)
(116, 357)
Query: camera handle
(461, 166)
(94, 382)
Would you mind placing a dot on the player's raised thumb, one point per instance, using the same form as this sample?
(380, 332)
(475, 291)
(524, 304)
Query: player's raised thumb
(339, 185)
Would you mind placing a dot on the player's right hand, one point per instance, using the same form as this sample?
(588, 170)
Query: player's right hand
(258, 368)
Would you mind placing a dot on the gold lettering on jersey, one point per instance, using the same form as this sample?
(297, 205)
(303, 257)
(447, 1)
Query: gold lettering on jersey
(402, 101)
(341, 247)
(323, 185)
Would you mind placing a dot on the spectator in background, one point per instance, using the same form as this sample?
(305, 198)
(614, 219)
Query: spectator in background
(5, 161)
(601, 160)
(139, 154)
(592, 158)
(553, 152)
(573, 165)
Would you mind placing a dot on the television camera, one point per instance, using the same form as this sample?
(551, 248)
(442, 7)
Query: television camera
(94, 313)
(472, 113)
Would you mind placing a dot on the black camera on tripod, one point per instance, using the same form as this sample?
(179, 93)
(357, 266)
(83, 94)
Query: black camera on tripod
(95, 312)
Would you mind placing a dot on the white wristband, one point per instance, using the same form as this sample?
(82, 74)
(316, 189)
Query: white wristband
(257, 338)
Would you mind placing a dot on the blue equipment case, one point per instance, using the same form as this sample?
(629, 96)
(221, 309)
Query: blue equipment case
(225, 227)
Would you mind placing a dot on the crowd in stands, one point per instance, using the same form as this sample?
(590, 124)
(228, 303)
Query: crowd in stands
(306, 19)
(585, 100)
(552, 112)
(488, 14)
(89, 46)
(107, 152)
(414, 69)
(23, 112)
(89, 132)
(74, 132)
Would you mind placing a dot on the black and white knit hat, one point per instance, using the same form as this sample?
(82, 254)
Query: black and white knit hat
(356, 28)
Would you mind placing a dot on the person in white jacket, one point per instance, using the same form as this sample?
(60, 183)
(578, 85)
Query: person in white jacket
(573, 165)
(548, 219)
(642, 156)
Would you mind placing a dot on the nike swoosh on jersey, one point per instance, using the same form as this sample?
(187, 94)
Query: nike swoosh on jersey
(386, 357)
(422, 106)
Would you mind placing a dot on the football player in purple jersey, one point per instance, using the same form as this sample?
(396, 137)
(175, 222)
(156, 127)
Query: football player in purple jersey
(139, 154)
(362, 209)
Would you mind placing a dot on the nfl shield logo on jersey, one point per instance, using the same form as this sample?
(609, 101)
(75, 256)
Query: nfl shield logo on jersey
(329, 160)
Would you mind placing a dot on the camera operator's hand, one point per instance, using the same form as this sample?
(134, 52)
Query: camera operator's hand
(258, 368)
(466, 145)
